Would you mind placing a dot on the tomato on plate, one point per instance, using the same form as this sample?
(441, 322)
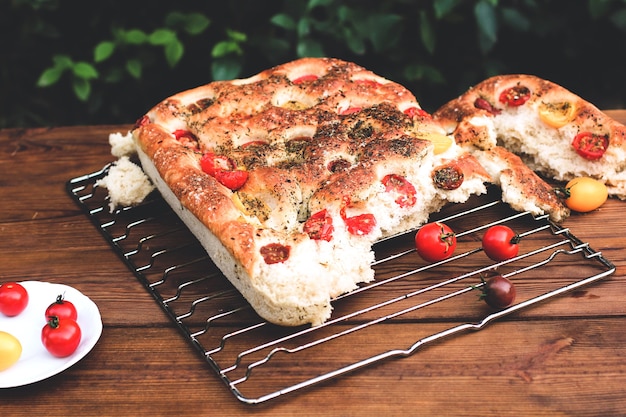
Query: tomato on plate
(62, 309)
(500, 243)
(584, 194)
(61, 337)
(10, 350)
(590, 146)
(13, 298)
(498, 292)
(435, 242)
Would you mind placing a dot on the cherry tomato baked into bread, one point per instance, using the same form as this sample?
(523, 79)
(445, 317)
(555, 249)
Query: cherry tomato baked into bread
(554, 131)
(288, 177)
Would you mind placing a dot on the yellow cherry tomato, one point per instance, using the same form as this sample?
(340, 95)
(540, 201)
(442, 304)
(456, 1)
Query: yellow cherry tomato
(10, 350)
(585, 194)
(557, 114)
(441, 142)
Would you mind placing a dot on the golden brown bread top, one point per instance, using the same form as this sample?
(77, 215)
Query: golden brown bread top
(484, 99)
(313, 125)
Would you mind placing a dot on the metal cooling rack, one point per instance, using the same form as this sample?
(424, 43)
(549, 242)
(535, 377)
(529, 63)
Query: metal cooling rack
(256, 359)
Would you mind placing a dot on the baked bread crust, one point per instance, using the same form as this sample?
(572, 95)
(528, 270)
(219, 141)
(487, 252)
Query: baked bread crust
(540, 127)
(318, 142)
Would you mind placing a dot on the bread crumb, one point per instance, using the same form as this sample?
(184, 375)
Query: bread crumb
(127, 184)
(122, 145)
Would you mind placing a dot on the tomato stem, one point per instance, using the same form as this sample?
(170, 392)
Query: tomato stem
(563, 192)
(53, 321)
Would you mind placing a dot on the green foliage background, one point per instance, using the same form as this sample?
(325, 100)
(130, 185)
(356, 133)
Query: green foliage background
(69, 62)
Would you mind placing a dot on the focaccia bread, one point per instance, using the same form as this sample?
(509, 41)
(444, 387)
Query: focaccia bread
(287, 178)
(553, 130)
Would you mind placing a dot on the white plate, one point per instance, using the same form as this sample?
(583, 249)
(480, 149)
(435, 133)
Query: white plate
(36, 363)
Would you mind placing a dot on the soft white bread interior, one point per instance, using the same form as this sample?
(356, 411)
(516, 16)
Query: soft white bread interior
(541, 130)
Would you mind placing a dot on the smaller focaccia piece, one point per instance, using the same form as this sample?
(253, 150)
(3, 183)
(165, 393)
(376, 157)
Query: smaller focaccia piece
(554, 131)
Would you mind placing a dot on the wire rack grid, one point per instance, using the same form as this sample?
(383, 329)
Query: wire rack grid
(259, 361)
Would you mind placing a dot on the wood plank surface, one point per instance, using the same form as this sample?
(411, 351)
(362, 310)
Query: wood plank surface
(565, 357)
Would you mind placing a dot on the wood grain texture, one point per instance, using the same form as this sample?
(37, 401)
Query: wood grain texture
(562, 358)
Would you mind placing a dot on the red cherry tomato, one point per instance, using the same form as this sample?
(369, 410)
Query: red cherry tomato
(319, 226)
(448, 177)
(274, 253)
(400, 187)
(62, 309)
(232, 179)
(61, 337)
(350, 110)
(435, 242)
(515, 96)
(498, 292)
(13, 298)
(305, 79)
(413, 112)
(589, 145)
(211, 163)
(223, 169)
(186, 138)
(483, 104)
(361, 224)
(500, 243)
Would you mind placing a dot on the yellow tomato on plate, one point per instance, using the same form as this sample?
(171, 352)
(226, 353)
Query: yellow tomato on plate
(10, 350)
(585, 194)
(557, 114)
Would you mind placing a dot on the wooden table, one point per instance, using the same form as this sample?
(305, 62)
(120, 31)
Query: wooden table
(561, 358)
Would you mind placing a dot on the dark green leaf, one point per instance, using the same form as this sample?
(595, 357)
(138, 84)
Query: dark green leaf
(162, 37)
(486, 20)
(515, 19)
(485, 43)
(82, 88)
(354, 42)
(174, 52)
(444, 7)
(383, 30)
(134, 68)
(85, 70)
(304, 27)
(284, 21)
(134, 36)
(309, 48)
(103, 51)
(225, 69)
(619, 19)
(196, 23)
(62, 61)
(597, 8)
(420, 72)
(314, 3)
(427, 33)
(224, 48)
(50, 76)
(236, 36)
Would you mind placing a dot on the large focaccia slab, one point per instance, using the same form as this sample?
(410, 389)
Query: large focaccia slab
(287, 178)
